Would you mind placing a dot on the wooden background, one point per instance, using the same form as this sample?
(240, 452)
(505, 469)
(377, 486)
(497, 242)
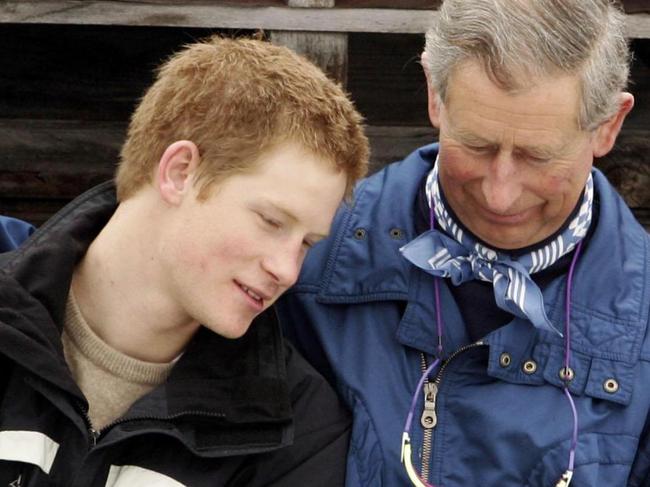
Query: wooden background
(70, 79)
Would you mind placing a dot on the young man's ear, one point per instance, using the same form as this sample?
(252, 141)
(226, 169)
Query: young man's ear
(176, 169)
(432, 94)
(605, 135)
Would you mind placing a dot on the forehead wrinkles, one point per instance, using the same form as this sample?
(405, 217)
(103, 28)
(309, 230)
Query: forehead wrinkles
(548, 98)
(514, 112)
(501, 119)
(469, 127)
(483, 131)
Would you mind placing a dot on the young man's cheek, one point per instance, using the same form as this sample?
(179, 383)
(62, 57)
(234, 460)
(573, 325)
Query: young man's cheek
(231, 251)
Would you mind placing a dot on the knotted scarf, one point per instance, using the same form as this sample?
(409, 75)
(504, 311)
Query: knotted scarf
(456, 254)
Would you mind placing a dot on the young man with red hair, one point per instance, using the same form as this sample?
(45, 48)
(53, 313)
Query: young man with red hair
(138, 341)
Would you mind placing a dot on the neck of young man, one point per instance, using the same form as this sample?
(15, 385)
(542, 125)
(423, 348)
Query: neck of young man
(120, 291)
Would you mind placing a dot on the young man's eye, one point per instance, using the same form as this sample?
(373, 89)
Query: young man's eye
(270, 221)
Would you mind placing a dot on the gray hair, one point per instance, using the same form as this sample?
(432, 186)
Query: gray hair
(518, 41)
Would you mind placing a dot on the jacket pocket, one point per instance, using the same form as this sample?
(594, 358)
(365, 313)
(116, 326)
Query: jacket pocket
(602, 460)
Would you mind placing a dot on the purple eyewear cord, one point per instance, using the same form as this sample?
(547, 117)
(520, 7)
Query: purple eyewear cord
(436, 285)
(567, 354)
(409, 418)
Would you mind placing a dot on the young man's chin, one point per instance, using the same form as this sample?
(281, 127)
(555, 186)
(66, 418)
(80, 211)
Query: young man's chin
(232, 332)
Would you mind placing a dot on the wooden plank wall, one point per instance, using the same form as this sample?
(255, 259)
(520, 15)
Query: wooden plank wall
(68, 90)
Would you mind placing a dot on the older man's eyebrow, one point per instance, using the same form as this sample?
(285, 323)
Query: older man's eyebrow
(545, 151)
(541, 152)
(470, 138)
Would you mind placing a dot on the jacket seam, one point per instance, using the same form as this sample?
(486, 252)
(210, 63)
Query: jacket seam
(334, 251)
(597, 314)
(358, 398)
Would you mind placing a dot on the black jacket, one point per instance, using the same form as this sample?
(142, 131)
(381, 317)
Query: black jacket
(245, 412)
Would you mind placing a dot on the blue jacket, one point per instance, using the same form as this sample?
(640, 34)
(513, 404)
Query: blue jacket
(366, 318)
(13, 232)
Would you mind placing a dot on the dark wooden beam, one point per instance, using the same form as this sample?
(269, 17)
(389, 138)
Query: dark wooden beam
(231, 16)
(311, 3)
(328, 50)
(53, 161)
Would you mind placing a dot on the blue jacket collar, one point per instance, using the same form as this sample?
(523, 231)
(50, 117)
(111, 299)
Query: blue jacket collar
(365, 263)
(611, 296)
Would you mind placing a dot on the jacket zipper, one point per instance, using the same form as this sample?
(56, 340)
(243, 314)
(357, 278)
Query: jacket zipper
(429, 419)
(95, 434)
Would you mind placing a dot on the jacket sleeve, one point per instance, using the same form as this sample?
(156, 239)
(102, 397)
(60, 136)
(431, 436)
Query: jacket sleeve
(640, 471)
(321, 433)
(298, 328)
(13, 232)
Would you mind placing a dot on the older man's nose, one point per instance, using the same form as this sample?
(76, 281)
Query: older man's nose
(501, 185)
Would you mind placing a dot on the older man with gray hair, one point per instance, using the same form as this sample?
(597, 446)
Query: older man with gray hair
(483, 307)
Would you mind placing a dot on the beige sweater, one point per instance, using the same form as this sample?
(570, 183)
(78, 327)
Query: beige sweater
(110, 380)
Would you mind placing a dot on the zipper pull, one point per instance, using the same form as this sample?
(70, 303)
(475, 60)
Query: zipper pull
(429, 418)
(18, 482)
(565, 480)
(94, 436)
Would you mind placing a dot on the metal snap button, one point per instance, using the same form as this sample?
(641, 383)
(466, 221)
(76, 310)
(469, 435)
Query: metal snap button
(505, 359)
(396, 233)
(529, 367)
(566, 374)
(610, 386)
(360, 233)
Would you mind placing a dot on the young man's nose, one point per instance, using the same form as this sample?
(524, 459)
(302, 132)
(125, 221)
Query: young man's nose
(501, 185)
(284, 264)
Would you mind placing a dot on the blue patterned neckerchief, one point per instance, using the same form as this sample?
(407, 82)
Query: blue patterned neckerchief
(462, 258)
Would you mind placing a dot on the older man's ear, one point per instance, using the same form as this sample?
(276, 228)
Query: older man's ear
(607, 132)
(434, 102)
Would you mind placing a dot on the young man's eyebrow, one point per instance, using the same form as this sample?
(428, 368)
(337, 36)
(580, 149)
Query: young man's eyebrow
(280, 209)
(292, 217)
